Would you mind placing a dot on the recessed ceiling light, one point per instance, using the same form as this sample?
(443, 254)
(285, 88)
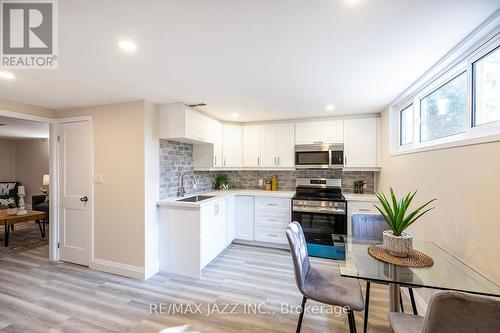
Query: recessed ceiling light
(330, 107)
(7, 75)
(235, 115)
(351, 2)
(127, 45)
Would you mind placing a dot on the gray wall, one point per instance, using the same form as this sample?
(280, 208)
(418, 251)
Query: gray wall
(176, 158)
(29, 159)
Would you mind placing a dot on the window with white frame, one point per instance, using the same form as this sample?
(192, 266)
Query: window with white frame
(458, 105)
(406, 125)
(486, 79)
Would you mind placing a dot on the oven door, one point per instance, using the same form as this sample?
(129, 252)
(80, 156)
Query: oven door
(316, 224)
(318, 229)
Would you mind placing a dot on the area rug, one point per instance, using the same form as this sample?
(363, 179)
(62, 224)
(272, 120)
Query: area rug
(25, 236)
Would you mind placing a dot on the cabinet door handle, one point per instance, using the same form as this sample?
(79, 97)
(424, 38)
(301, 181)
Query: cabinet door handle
(215, 160)
(278, 160)
(224, 161)
(272, 235)
(274, 158)
(258, 160)
(272, 204)
(318, 142)
(345, 159)
(364, 210)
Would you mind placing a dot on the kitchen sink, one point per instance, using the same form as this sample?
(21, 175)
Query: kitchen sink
(196, 198)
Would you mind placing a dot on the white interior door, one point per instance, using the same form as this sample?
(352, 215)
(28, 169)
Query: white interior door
(75, 185)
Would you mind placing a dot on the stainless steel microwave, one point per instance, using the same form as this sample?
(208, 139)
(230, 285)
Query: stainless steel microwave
(319, 156)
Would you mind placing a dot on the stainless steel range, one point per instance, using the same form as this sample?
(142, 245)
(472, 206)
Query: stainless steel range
(321, 210)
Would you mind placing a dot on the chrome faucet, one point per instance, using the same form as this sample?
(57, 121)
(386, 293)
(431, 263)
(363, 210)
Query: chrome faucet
(180, 184)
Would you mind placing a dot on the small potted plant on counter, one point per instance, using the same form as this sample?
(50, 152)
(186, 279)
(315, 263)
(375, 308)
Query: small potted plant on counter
(221, 182)
(359, 186)
(395, 212)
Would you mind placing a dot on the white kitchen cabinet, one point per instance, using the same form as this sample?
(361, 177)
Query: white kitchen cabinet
(231, 219)
(359, 207)
(217, 146)
(213, 219)
(269, 144)
(209, 155)
(191, 237)
(360, 143)
(319, 132)
(251, 146)
(272, 215)
(232, 142)
(285, 155)
(244, 218)
(181, 123)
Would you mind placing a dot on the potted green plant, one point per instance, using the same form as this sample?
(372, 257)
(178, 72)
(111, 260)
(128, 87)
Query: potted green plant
(395, 212)
(359, 186)
(221, 182)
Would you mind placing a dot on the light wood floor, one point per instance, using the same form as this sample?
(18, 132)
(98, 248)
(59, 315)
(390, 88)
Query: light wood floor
(39, 296)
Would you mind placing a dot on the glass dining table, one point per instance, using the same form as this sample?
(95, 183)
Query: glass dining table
(447, 273)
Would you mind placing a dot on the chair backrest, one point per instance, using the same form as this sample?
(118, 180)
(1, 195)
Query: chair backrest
(454, 312)
(368, 226)
(298, 247)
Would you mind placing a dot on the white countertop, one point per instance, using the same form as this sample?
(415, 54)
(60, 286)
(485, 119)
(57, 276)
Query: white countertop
(360, 197)
(222, 194)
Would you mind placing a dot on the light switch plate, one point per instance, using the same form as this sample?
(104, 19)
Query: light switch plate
(98, 178)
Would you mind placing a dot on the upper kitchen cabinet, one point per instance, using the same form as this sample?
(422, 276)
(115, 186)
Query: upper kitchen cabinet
(232, 142)
(268, 146)
(360, 143)
(209, 155)
(181, 123)
(319, 132)
(252, 146)
(285, 149)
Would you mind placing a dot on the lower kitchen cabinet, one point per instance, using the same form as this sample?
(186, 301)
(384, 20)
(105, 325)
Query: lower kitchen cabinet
(244, 218)
(359, 207)
(262, 219)
(212, 231)
(231, 219)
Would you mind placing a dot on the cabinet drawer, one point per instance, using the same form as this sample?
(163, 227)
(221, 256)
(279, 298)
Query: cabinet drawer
(271, 235)
(362, 207)
(272, 204)
(274, 219)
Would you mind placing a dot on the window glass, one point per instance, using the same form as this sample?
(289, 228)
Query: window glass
(406, 125)
(444, 111)
(487, 88)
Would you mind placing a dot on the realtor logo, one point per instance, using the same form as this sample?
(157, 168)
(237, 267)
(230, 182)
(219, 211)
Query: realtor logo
(29, 34)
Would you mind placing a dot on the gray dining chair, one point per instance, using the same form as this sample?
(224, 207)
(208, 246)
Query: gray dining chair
(324, 286)
(451, 312)
(371, 227)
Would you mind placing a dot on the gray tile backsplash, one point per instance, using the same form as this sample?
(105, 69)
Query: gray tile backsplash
(177, 158)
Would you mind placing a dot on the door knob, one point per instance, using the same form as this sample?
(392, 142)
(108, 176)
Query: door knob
(84, 199)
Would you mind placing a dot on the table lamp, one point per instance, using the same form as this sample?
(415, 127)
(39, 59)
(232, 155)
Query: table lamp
(45, 182)
(21, 192)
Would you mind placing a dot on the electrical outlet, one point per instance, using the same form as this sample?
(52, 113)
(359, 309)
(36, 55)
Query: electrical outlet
(261, 182)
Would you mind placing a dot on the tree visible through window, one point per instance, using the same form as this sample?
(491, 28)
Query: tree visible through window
(487, 88)
(444, 111)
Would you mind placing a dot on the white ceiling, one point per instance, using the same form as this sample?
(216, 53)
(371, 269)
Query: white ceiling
(11, 128)
(265, 59)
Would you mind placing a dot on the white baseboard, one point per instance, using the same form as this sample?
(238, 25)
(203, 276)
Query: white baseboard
(419, 301)
(151, 269)
(135, 272)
